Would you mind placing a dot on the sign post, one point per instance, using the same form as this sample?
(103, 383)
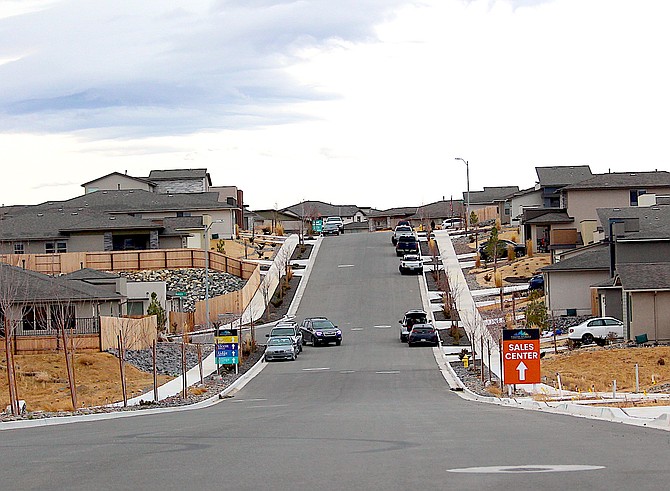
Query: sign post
(521, 356)
(227, 347)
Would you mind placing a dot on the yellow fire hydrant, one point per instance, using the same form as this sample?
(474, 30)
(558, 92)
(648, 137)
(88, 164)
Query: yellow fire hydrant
(466, 361)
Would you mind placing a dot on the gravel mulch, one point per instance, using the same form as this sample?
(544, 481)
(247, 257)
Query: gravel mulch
(213, 385)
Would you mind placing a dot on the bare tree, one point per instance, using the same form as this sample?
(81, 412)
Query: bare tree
(283, 262)
(13, 289)
(265, 288)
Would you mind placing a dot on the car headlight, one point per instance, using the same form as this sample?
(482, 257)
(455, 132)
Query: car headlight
(319, 333)
(338, 332)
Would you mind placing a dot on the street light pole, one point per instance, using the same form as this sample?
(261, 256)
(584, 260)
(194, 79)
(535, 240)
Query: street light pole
(467, 178)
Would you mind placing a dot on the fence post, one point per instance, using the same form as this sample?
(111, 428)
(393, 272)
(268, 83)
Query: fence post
(183, 370)
(119, 338)
(154, 356)
(202, 378)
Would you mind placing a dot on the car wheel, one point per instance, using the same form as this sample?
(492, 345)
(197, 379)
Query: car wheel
(338, 343)
(266, 359)
(294, 357)
(314, 343)
(300, 348)
(587, 338)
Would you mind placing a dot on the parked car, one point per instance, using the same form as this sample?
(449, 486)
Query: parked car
(597, 329)
(503, 245)
(451, 223)
(288, 329)
(407, 245)
(337, 221)
(280, 348)
(411, 263)
(402, 231)
(423, 334)
(330, 228)
(411, 317)
(536, 283)
(319, 330)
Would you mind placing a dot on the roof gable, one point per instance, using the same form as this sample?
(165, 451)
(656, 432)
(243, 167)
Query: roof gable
(623, 180)
(559, 176)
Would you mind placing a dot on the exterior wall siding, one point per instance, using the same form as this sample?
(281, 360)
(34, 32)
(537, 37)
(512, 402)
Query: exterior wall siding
(571, 290)
(650, 315)
(180, 186)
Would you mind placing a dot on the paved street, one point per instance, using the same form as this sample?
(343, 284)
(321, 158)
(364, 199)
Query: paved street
(370, 414)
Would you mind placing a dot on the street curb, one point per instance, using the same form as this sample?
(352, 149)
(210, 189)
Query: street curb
(228, 392)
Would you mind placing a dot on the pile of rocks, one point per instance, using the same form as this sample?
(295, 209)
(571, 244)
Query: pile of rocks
(191, 281)
(168, 357)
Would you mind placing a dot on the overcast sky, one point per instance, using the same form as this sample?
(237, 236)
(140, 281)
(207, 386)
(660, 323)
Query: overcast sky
(364, 102)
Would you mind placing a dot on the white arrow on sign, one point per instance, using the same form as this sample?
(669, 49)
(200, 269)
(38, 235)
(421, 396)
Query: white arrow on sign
(521, 368)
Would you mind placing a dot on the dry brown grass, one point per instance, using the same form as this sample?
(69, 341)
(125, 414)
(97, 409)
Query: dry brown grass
(597, 368)
(523, 267)
(42, 381)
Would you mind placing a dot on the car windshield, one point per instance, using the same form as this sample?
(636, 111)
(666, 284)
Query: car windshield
(322, 324)
(283, 331)
(403, 228)
(279, 341)
(406, 239)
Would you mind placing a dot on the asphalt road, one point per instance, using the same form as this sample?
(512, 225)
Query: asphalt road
(370, 414)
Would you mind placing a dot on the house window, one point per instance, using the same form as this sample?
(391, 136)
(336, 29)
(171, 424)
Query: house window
(635, 194)
(183, 214)
(55, 247)
(62, 316)
(19, 248)
(136, 308)
(34, 318)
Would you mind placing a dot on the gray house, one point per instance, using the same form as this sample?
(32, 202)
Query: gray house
(639, 285)
(116, 220)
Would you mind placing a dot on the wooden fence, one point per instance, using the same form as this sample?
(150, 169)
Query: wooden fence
(55, 264)
(49, 344)
(138, 333)
(230, 303)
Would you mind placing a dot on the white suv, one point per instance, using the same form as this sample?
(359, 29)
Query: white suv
(596, 330)
(337, 220)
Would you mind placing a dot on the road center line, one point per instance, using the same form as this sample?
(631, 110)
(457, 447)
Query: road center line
(315, 369)
(345, 266)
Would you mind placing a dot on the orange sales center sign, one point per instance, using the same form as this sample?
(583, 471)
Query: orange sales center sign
(521, 356)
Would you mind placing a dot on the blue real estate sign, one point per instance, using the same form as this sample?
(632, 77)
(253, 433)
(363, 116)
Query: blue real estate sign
(317, 225)
(227, 347)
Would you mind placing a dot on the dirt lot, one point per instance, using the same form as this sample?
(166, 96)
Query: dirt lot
(42, 381)
(524, 267)
(596, 368)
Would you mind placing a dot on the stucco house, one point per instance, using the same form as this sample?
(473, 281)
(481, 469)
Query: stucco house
(567, 283)
(610, 190)
(37, 307)
(638, 289)
(497, 197)
(116, 220)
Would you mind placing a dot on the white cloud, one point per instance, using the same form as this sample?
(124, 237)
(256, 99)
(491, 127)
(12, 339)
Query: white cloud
(346, 102)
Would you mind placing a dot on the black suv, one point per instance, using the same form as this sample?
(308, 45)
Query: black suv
(406, 245)
(319, 330)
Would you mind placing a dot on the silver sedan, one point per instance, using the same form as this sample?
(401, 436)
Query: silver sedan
(281, 349)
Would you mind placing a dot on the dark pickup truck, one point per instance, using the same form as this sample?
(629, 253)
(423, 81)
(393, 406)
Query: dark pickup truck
(407, 245)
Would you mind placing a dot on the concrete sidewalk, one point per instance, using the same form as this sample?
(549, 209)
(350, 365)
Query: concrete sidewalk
(653, 417)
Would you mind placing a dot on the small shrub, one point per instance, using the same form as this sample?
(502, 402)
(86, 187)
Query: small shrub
(478, 261)
(86, 361)
(487, 277)
(529, 248)
(661, 361)
(511, 254)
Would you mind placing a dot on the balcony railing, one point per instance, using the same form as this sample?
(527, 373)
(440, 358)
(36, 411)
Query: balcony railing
(86, 325)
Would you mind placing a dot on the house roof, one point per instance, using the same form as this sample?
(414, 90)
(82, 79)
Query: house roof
(137, 201)
(490, 194)
(23, 285)
(589, 258)
(559, 176)
(276, 215)
(624, 180)
(401, 211)
(170, 174)
(644, 276)
(139, 179)
(550, 217)
(89, 274)
(651, 222)
(315, 209)
(438, 209)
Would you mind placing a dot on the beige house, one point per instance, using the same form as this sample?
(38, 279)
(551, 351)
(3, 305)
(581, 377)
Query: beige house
(611, 190)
